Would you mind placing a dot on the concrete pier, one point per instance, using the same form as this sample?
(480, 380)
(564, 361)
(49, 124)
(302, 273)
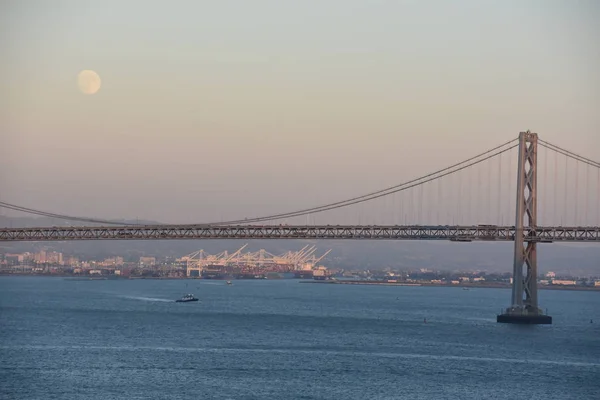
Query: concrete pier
(531, 319)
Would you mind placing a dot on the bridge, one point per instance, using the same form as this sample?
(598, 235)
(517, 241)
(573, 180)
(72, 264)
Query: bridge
(331, 232)
(570, 191)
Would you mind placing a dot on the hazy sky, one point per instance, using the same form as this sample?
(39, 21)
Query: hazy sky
(221, 109)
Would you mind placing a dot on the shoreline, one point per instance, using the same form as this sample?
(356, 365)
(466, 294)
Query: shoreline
(466, 286)
(322, 282)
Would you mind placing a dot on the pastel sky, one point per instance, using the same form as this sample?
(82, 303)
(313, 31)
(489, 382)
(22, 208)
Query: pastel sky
(222, 109)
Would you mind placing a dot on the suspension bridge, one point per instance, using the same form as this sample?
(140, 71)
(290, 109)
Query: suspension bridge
(462, 203)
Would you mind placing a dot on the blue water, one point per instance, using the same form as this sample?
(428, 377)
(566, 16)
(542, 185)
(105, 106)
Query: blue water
(128, 339)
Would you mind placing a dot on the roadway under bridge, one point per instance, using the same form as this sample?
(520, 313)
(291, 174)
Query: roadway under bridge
(331, 232)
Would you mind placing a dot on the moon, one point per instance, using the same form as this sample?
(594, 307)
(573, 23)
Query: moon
(88, 82)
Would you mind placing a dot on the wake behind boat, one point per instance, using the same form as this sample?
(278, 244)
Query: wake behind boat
(186, 299)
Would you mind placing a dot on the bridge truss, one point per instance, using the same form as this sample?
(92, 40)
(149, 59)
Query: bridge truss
(376, 232)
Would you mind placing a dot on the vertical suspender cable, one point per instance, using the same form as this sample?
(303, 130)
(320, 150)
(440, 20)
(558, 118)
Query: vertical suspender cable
(469, 195)
(459, 198)
(452, 208)
(416, 206)
(383, 212)
(489, 191)
(478, 204)
(439, 202)
(499, 194)
(450, 199)
(555, 203)
(386, 219)
(598, 197)
(395, 207)
(420, 221)
(576, 193)
(405, 206)
(392, 213)
(429, 200)
(509, 187)
(400, 208)
(564, 217)
(410, 206)
(444, 192)
(545, 200)
(587, 195)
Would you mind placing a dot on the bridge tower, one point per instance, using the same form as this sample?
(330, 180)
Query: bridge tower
(524, 308)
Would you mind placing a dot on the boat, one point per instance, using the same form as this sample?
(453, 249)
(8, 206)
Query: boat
(303, 274)
(216, 274)
(229, 282)
(249, 276)
(187, 298)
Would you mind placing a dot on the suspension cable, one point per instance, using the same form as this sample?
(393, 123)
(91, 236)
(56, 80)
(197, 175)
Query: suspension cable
(362, 199)
(60, 216)
(355, 200)
(382, 192)
(569, 153)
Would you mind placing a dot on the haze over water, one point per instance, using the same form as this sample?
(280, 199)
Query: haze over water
(122, 339)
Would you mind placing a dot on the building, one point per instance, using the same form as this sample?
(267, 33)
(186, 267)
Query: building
(118, 261)
(72, 261)
(14, 259)
(40, 257)
(564, 282)
(147, 261)
(54, 258)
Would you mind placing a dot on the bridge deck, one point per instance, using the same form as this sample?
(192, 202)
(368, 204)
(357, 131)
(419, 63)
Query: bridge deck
(390, 232)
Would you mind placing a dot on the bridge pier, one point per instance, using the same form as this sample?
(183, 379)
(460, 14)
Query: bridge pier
(524, 308)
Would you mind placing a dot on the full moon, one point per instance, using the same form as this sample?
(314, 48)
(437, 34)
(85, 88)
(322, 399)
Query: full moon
(88, 82)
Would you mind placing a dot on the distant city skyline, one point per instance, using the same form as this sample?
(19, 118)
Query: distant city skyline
(214, 111)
